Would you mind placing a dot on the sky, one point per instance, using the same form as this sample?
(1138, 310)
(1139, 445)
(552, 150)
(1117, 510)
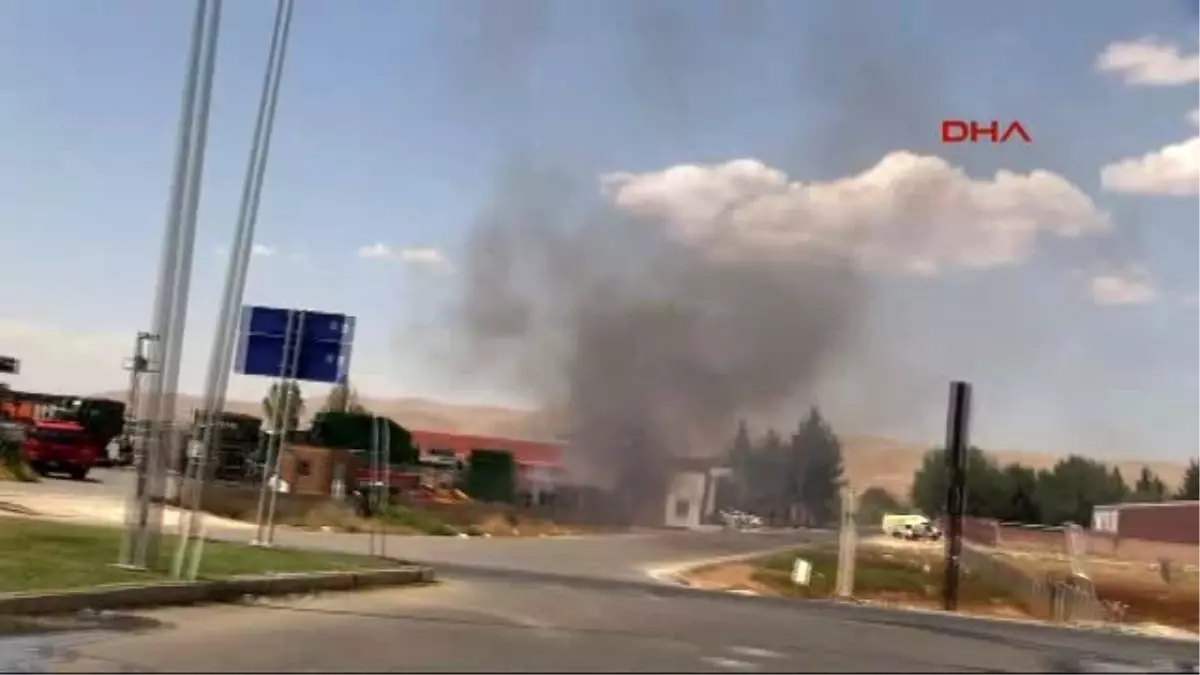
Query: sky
(1059, 276)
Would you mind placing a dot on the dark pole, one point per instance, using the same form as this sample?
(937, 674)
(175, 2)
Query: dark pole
(957, 431)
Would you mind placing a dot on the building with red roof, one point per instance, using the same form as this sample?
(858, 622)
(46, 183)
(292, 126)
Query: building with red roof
(539, 463)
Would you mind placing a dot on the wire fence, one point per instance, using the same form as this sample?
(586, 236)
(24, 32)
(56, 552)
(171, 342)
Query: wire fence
(1069, 600)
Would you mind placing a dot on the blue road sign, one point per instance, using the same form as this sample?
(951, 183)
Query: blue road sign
(294, 344)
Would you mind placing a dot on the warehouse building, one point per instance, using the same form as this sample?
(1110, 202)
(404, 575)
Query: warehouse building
(540, 469)
(1176, 522)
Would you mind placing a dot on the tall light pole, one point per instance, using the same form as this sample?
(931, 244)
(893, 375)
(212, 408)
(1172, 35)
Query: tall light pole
(221, 358)
(135, 543)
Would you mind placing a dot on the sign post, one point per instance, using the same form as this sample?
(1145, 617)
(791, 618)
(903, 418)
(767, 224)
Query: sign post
(957, 441)
(291, 345)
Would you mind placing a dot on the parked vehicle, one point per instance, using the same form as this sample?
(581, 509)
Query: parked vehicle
(60, 447)
(910, 526)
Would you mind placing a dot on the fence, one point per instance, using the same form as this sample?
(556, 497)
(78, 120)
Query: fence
(1052, 540)
(1043, 597)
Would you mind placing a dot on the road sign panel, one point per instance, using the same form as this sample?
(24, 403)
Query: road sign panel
(10, 365)
(295, 344)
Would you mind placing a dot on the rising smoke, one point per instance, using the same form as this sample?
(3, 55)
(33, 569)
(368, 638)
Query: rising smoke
(646, 345)
(651, 346)
(647, 340)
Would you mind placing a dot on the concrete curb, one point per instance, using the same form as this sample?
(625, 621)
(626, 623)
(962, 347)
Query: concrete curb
(674, 574)
(233, 589)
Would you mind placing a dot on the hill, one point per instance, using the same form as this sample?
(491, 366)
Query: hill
(869, 460)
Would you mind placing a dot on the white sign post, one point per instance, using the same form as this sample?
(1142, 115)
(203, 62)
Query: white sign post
(801, 572)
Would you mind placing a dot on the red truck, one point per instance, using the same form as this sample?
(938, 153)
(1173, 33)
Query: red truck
(61, 446)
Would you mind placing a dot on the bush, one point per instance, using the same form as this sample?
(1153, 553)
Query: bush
(12, 466)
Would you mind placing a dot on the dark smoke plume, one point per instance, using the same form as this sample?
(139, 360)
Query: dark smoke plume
(650, 347)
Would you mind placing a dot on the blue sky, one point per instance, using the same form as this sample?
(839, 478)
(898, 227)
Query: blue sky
(395, 117)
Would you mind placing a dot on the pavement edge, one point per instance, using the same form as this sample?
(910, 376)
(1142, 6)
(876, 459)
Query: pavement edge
(232, 589)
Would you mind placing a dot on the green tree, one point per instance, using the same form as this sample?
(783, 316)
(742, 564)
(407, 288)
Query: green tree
(767, 472)
(1075, 486)
(1020, 487)
(343, 398)
(986, 496)
(741, 461)
(874, 503)
(814, 472)
(1149, 487)
(288, 400)
(1190, 489)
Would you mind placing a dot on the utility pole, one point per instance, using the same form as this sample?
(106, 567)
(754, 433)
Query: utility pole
(957, 441)
(847, 545)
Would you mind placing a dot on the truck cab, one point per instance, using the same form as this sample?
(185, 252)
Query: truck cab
(60, 446)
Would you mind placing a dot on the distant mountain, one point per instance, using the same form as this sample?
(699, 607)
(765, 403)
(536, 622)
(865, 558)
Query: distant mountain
(869, 460)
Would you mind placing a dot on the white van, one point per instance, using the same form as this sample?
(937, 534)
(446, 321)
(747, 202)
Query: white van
(900, 525)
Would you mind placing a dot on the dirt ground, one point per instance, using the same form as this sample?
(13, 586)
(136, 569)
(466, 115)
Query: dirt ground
(1139, 591)
(757, 578)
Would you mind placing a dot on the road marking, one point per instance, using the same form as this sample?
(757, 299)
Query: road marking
(730, 664)
(755, 652)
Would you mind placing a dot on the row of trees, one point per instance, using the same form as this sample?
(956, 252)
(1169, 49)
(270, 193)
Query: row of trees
(798, 479)
(289, 399)
(1068, 492)
(795, 480)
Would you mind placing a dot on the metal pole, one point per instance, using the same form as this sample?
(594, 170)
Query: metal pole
(276, 424)
(133, 544)
(957, 441)
(292, 387)
(220, 361)
(179, 306)
(385, 452)
(238, 285)
(372, 495)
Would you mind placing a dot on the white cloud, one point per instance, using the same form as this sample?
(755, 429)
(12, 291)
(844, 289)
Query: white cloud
(260, 250)
(421, 256)
(1171, 170)
(1149, 62)
(1131, 285)
(909, 213)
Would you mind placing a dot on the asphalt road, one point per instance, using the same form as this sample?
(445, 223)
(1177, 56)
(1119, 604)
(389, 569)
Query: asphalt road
(616, 557)
(566, 605)
(478, 625)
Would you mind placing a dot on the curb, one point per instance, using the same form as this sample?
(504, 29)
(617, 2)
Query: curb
(133, 596)
(674, 574)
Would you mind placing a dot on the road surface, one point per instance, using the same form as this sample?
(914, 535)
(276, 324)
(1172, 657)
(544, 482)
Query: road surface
(617, 557)
(491, 625)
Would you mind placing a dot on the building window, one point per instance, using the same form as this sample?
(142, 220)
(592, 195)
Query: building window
(682, 508)
(304, 467)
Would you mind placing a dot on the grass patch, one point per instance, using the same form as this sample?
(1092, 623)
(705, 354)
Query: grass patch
(878, 574)
(12, 467)
(420, 521)
(37, 555)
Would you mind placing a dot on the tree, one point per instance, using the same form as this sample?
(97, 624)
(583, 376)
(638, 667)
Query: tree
(769, 463)
(741, 461)
(987, 495)
(874, 503)
(814, 476)
(1190, 489)
(1075, 486)
(1020, 485)
(1149, 487)
(343, 398)
(288, 400)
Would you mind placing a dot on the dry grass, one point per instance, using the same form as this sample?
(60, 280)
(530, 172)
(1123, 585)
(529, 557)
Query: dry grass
(1146, 595)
